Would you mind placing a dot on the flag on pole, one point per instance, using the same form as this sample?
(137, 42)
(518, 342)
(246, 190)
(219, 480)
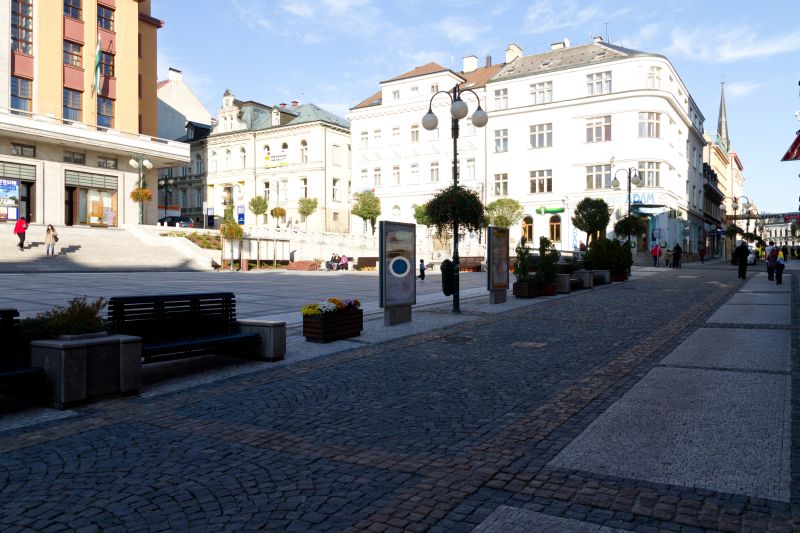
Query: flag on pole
(97, 66)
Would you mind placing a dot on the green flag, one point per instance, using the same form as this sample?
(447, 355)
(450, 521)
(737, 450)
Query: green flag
(97, 66)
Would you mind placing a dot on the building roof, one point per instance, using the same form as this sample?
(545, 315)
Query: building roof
(565, 58)
(428, 68)
(161, 83)
(313, 113)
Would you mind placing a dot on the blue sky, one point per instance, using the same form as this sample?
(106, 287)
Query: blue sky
(335, 52)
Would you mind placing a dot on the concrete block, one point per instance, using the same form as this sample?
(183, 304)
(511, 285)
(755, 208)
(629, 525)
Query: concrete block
(273, 338)
(586, 276)
(130, 363)
(498, 296)
(562, 283)
(393, 316)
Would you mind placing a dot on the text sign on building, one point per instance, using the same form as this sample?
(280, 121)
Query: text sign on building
(497, 259)
(397, 264)
(275, 160)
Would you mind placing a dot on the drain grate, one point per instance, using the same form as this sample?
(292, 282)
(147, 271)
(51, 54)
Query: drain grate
(526, 344)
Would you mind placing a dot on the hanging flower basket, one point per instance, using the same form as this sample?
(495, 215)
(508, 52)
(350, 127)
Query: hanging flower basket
(141, 195)
(456, 204)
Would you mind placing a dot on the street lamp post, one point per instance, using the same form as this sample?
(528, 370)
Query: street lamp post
(458, 110)
(141, 163)
(167, 184)
(633, 177)
(735, 206)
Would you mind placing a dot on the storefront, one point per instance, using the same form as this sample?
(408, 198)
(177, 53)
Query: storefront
(17, 187)
(90, 199)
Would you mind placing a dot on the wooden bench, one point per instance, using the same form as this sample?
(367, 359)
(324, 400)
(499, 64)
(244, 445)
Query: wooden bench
(181, 325)
(16, 377)
(367, 262)
(303, 265)
(470, 264)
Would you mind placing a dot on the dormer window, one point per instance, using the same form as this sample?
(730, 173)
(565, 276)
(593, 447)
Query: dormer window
(190, 133)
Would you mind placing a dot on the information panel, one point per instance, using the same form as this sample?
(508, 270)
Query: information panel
(497, 259)
(397, 264)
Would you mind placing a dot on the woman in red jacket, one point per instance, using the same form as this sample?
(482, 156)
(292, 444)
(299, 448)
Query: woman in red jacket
(19, 229)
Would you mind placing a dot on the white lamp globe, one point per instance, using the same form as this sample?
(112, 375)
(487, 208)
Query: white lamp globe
(134, 163)
(430, 121)
(615, 183)
(480, 118)
(458, 109)
(734, 206)
(636, 180)
(147, 164)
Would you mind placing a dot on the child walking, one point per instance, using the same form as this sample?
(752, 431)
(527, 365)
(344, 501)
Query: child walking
(421, 270)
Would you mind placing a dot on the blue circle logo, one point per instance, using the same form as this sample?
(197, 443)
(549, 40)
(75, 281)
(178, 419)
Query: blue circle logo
(399, 267)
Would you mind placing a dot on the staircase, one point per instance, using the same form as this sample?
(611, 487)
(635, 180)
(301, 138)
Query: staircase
(82, 249)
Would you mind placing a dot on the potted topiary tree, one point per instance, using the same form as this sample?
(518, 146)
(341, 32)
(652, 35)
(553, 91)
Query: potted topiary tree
(620, 261)
(598, 260)
(525, 286)
(546, 271)
(232, 232)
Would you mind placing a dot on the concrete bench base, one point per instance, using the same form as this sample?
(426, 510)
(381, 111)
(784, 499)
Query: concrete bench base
(273, 338)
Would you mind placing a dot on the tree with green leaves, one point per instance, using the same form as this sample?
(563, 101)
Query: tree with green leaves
(421, 215)
(258, 206)
(306, 206)
(630, 225)
(592, 216)
(504, 212)
(367, 206)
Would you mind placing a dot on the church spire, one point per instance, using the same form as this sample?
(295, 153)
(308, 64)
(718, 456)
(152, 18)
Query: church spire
(722, 125)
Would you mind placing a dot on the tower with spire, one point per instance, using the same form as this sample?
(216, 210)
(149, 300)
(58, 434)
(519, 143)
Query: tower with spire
(722, 124)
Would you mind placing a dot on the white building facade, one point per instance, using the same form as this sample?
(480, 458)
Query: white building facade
(283, 153)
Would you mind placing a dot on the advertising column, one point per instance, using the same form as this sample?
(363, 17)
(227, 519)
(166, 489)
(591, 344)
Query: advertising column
(398, 288)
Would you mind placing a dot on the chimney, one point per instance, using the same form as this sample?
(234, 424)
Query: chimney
(175, 74)
(598, 39)
(488, 61)
(282, 105)
(560, 45)
(470, 63)
(513, 52)
(294, 103)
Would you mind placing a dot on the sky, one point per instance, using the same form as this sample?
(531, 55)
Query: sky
(334, 53)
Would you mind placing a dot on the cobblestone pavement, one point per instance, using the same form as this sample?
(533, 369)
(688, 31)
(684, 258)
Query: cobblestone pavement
(434, 432)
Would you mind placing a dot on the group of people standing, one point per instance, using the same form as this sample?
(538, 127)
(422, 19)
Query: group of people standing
(50, 237)
(774, 256)
(672, 257)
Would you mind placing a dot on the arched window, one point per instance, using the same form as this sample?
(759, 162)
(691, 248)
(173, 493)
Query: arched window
(396, 211)
(198, 165)
(555, 228)
(227, 159)
(527, 229)
(303, 152)
(243, 157)
(212, 163)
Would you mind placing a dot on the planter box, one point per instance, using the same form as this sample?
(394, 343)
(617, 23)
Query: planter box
(526, 289)
(329, 327)
(82, 367)
(549, 289)
(619, 277)
(601, 276)
(585, 276)
(562, 283)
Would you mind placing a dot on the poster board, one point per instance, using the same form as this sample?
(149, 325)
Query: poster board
(397, 269)
(497, 251)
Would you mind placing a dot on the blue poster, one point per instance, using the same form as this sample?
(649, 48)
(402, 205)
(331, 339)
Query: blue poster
(240, 214)
(9, 192)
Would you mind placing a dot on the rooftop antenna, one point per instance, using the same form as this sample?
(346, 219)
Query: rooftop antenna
(607, 33)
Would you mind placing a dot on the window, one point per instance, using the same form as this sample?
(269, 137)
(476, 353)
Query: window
(694, 157)
(396, 175)
(414, 133)
(72, 54)
(470, 170)
(212, 162)
(198, 164)
(376, 136)
(243, 157)
(598, 129)
(654, 78)
(501, 99)
(650, 171)
(20, 94)
(434, 88)
(105, 112)
(107, 64)
(364, 139)
(108, 162)
(650, 125)
(198, 197)
(541, 181)
(555, 228)
(335, 191)
(501, 140)
(105, 18)
(414, 172)
(227, 159)
(24, 150)
(527, 228)
(542, 93)
(598, 83)
(541, 135)
(435, 172)
(72, 105)
(598, 177)
(501, 184)
(304, 187)
(79, 158)
(376, 173)
(415, 91)
(396, 94)
(22, 26)
(364, 176)
(72, 8)
(336, 154)
(335, 216)
(303, 152)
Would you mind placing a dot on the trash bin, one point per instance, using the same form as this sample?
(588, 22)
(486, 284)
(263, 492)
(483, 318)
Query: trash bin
(448, 277)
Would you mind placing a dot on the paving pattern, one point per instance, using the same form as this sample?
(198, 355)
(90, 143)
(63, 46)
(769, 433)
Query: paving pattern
(444, 430)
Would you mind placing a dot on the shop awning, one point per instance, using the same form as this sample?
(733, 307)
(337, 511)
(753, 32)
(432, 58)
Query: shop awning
(793, 154)
(543, 210)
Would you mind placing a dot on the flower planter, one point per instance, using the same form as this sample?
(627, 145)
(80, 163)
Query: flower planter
(526, 289)
(329, 327)
(549, 289)
(619, 277)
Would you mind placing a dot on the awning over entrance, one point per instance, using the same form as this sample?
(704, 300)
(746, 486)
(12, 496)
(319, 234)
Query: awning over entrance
(793, 154)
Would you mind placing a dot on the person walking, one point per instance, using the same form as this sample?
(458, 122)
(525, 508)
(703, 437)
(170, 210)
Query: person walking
(655, 252)
(702, 254)
(779, 266)
(50, 240)
(676, 256)
(785, 251)
(771, 259)
(740, 256)
(421, 270)
(19, 230)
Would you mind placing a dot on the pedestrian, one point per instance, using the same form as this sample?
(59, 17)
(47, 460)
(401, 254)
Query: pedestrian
(421, 270)
(19, 230)
(702, 254)
(740, 256)
(655, 252)
(343, 262)
(667, 257)
(50, 240)
(676, 256)
(771, 259)
(785, 251)
(582, 247)
(779, 266)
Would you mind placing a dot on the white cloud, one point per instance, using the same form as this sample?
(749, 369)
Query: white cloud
(298, 9)
(549, 15)
(343, 6)
(460, 29)
(729, 44)
(641, 39)
(251, 14)
(742, 88)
